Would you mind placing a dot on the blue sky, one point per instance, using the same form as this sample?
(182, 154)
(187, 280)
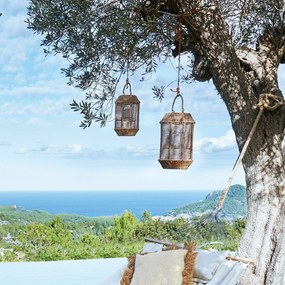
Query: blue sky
(42, 147)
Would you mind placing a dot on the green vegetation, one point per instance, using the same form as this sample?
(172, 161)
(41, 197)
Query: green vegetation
(234, 208)
(21, 215)
(37, 236)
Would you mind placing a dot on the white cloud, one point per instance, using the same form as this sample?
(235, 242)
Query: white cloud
(12, 57)
(131, 152)
(42, 108)
(39, 88)
(144, 151)
(76, 148)
(23, 150)
(14, 27)
(13, 6)
(16, 42)
(79, 151)
(53, 151)
(38, 122)
(39, 149)
(116, 153)
(4, 143)
(209, 145)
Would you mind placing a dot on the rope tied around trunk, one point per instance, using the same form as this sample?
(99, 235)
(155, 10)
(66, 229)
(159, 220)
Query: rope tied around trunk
(264, 102)
(267, 102)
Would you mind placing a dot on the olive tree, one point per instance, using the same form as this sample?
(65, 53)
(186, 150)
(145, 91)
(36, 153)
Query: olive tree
(238, 44)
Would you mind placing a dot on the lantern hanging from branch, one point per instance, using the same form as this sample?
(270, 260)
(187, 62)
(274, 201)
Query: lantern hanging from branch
(127, 113)
(176, 143)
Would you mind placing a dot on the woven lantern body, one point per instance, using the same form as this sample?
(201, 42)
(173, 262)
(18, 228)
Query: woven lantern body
(176, 145)
(127, 115)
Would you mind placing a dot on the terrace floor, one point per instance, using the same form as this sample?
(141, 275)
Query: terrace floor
(69, 272)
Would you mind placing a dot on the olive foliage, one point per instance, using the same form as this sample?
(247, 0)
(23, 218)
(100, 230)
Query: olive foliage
(103, 40)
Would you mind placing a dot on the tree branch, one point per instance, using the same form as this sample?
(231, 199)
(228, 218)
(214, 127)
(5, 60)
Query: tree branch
(282, 55)
(201, 71)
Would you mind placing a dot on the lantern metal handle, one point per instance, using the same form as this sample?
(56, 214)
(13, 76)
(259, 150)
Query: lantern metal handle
(182, 102)
(127, 85)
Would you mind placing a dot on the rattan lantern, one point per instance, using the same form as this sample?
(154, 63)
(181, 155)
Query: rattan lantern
(176, 143)
(127, 113)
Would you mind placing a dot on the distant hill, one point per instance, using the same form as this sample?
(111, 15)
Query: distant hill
(234, 206)
(18, 215)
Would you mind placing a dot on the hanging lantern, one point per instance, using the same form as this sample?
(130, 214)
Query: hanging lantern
(127, 113)
(176, 143)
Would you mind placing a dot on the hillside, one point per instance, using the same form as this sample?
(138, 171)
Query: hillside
(27, 235)
(234, 207)
(15, 215)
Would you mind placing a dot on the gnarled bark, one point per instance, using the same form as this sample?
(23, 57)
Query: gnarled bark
(264, 236)
(240, 76)
(264, 164)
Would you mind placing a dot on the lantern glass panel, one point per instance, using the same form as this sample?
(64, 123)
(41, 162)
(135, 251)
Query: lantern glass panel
(127, 112)
(127, 115)
(176, 140)
(165, 133)
(187, 139)
(118, 113)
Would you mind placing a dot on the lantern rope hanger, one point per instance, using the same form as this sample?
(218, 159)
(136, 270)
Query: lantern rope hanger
(128, 84)
(176, 142)
(178, 94)
(127, 106)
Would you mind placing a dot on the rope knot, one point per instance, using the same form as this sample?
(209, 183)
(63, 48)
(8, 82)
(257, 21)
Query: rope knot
(270, 102)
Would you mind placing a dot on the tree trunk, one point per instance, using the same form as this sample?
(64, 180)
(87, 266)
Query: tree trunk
(241, 76)
(264, 163)
(264, 236)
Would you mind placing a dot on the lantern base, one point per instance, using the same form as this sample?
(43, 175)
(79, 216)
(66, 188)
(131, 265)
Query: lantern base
(175, 164)
(126, 132)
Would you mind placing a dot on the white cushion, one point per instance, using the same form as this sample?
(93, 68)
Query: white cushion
(207, 263)
(228, 273)
(162, 268)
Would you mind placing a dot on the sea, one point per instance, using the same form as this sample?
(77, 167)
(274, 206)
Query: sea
(101, 203)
